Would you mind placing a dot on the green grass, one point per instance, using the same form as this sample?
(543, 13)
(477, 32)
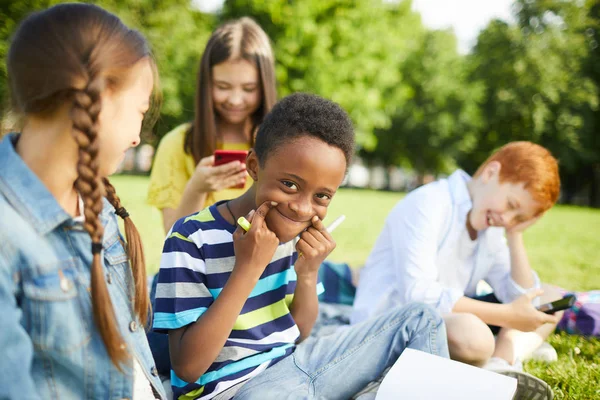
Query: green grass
(563, 248)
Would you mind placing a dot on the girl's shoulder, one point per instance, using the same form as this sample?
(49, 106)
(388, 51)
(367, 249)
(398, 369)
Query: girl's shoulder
(175, 138)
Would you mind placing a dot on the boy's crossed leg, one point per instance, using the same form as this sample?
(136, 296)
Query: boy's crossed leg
(512, 344)
(471, 341)
(339, 365)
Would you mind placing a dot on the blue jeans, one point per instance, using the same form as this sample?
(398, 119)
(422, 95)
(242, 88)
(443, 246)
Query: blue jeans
(339, 365)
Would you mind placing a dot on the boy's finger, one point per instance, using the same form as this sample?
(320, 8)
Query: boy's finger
(261, 213)
(319, 236)
(323, 233)
(238, 233)
(318, 224)
(302, 247)
(312, 237)
(250, 215)
(532, 294)
(551, 318)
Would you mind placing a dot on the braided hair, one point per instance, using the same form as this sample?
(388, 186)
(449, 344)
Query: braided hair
(72, 53)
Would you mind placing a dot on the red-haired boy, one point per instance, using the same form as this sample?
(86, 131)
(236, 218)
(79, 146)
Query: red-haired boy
(443, 238)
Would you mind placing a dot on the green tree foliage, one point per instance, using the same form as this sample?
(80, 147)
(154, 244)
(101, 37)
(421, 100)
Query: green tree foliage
(439, 120)
(176, 31)
(349, 51)
(539, 85)
(11, 12)
(414, 100)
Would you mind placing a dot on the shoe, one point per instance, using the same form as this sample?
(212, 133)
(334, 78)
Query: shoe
(545, 353)
(496, 364)
(529, 387)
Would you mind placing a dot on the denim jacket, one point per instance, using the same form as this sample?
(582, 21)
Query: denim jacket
(50, 347)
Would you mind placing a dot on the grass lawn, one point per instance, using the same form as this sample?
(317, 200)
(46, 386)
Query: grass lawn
(563, 247)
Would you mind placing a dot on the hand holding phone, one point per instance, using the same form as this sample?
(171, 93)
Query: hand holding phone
(227, 156)
(524, 316)
(558, 305)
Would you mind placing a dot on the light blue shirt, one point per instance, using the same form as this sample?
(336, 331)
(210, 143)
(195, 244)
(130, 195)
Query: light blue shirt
(50, 346)
(424, 254)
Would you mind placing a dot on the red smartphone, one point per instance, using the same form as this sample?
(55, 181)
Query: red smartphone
(227, 156)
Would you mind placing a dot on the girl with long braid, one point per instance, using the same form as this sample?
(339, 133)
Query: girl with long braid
(73, 294)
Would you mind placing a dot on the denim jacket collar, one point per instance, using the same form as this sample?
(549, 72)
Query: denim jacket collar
(27, 194)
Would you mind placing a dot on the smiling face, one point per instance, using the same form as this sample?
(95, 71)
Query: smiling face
(499, 204)
(302, 176)
(236, 90)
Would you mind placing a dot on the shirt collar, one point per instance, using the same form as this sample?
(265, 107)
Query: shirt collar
(80, 218)
(460, 192)
(25, 192)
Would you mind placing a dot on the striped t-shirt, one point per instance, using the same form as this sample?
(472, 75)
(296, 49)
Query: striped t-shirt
(197, 260)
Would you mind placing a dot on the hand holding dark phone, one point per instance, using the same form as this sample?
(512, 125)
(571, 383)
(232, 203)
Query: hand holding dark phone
(558, 305)
(227, 156)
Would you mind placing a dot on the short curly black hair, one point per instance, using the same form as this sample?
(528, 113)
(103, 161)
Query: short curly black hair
(303, 114)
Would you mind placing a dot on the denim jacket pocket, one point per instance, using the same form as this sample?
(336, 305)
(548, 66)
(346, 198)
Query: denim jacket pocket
(52, 309)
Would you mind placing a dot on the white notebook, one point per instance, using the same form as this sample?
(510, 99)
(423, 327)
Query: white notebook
(419, 375)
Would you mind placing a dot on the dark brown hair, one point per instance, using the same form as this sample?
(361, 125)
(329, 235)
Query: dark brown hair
(72, 53)
(238, 39)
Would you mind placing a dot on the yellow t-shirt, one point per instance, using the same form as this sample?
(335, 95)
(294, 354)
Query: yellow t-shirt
(173, 168)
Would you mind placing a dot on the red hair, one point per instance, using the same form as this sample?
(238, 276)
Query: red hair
(532, 165)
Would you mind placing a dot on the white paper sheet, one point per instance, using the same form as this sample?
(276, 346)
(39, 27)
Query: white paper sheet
(419, 375)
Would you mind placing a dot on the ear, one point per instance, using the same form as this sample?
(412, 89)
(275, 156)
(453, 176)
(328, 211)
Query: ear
(252, 165)
(491, 171)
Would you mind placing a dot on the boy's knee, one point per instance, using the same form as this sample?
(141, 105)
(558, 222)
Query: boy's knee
(421, 309)
(470, 340)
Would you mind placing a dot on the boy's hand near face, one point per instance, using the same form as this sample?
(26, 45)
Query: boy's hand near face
(520, 227)
(195, 347)
(255, 249)
(520, 269)
(314, 246)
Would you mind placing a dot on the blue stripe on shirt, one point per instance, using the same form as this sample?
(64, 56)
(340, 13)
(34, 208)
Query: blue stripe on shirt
(164, 321)
(265, 284)
(241, 365)
(178, 304)
(218, 280)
